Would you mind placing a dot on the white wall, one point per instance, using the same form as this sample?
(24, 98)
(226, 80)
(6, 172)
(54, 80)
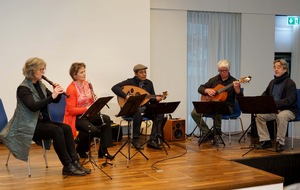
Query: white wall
(169, 55)
(110, 36)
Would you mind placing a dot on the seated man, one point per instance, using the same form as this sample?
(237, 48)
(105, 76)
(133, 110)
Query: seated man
(284, 91)
(140, 80)
(208, 90)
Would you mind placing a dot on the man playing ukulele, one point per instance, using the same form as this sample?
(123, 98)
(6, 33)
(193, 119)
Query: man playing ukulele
(213, 90)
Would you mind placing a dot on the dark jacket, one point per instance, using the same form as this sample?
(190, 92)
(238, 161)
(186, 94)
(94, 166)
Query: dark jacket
(216, 80)
(288, 100)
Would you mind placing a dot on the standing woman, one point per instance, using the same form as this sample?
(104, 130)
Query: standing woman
(31, 121)
(81, 98)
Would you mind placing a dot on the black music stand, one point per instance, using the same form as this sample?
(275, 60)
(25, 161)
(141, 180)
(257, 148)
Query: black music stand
(210, 108)
(130, 107)
(94, 110)
(161, 108)
(256, 105)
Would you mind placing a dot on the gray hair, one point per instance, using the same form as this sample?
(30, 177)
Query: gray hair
(224, 63)
(283, 63)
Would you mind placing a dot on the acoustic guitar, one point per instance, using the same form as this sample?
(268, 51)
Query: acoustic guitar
(136, 91)
(221, 91)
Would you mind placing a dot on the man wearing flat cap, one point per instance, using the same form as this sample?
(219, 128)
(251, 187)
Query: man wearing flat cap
(140, 80)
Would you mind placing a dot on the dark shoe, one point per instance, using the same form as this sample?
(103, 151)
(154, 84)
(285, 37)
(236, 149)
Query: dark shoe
(153, 144)
(264, 145)
(159, 145)
(79, 166)
(71, 170)
(104, 153)
(137, 144)
(279, 147)
(82, 155)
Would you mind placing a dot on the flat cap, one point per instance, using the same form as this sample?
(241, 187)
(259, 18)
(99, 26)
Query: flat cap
(139, 67)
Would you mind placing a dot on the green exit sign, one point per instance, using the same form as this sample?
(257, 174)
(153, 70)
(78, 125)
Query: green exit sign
(293, 20)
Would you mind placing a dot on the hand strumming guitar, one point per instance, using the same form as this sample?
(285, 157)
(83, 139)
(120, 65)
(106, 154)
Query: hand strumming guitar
(210, 91)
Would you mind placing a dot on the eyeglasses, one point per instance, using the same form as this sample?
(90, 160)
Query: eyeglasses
(223, 71)
(43, 69)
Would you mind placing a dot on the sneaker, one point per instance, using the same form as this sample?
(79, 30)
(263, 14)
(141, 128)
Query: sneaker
(279, 147)
(264, 145)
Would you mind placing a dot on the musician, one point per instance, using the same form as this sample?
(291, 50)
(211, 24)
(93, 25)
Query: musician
(284, 91)
(140, 80)
(209, 89)
(81, 97)
(31, 121)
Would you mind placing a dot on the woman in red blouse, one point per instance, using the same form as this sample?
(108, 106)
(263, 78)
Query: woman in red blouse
(81, 97)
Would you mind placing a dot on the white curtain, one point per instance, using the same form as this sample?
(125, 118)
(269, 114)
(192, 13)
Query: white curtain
(211, 37)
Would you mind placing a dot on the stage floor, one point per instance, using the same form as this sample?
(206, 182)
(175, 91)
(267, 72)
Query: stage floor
(186, 166)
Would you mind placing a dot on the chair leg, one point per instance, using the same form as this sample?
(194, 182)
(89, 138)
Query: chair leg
(292, 136)
(229, 132)
(119, 130)
(147, 122)
(242, 126)
(28, 166)
(28, 162)
(95, 144)
(8, 156)
(44, 154)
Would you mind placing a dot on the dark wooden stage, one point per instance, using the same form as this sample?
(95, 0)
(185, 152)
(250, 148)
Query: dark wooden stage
(185, 167)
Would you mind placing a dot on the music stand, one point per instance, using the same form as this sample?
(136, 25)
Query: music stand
(210, 108)
(161, 108)
(256, 105)
(130, 107)
(93, 110)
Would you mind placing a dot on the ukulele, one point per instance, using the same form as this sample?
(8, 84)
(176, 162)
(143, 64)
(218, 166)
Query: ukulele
(221, 91)
(136, 91)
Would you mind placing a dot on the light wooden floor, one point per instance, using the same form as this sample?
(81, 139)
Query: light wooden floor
(185, 167)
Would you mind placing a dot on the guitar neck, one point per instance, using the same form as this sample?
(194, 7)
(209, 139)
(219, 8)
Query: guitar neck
(224, 89)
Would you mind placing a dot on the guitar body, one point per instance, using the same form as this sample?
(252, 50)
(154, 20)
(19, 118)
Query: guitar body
(137, 91)
(221, 97)
(132, 91)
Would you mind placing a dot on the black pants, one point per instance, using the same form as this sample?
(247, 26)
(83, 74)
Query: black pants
(63, 140)
(97, 128)
(157, 120)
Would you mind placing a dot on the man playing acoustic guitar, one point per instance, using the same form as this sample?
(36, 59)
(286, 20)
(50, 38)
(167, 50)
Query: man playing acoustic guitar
(213, 90)
(138, 85)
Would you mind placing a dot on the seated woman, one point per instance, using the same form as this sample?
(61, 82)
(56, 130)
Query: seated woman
(81, 97)
(31, 121)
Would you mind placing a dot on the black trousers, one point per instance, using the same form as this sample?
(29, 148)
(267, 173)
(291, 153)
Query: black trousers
(62, 137)
(97, 128)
